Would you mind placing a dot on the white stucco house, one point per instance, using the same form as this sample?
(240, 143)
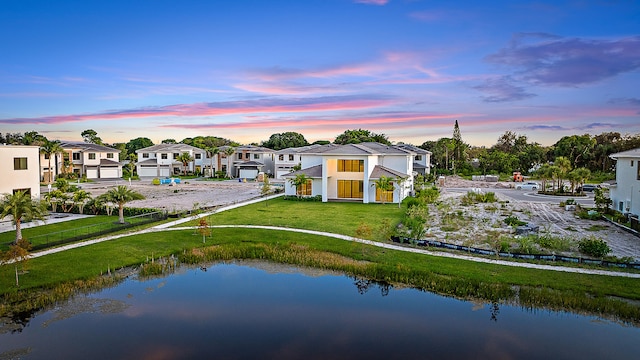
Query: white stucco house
(286, 159)
(247, 161)
(162, 160)
(421, 159)
(20, 166)
(91, 160)
(349, 172)
(625, 193)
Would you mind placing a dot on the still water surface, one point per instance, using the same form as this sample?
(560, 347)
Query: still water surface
(250, 310)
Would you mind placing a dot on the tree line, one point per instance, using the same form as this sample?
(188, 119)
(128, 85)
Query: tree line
(511, 152)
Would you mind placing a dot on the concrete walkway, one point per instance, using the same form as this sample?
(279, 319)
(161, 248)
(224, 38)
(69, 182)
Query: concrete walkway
(168, 227)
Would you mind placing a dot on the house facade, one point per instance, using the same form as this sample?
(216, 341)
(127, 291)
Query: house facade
(421, 159)
(625, 193)
(349, 172)
(162, 160)
(84, 159)
(286, 159)
(21, 169)
(248, 161)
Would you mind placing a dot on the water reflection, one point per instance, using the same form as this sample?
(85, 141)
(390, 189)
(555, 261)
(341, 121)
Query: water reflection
(249, 310)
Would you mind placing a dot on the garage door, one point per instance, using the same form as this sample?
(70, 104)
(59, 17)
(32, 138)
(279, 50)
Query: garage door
(147, 171)
(92, 173)
(248, 173)
(165, 172)
(109, 173)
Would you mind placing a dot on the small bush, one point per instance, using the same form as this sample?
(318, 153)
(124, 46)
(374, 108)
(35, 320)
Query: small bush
(589, 214)
(155, 181)
(514, 221)
(594, 247)
(411, 202)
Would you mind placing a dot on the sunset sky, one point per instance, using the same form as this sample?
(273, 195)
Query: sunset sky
(244, 70)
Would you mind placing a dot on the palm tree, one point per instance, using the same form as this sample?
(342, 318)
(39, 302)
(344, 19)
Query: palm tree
(384, 185)
(229, 151)
(213, 151)
(565, 166)
(21, 207)
(121, 195)
(133, 158)
(80, 198)
(49, 149)
(298, 181)
(185, 158)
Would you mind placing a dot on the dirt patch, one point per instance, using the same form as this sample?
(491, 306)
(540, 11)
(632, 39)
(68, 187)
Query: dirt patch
(481, 225)
(185, 196)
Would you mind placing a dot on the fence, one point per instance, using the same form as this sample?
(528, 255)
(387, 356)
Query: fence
(541, 257)
(67, 236)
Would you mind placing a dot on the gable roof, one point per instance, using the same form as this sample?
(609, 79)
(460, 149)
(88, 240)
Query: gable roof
(633, 153)
(368, 148)
(295, 150)
(413, 148)
(107, 162)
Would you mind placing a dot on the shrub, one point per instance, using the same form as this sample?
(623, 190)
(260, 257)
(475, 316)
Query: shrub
(411, 202)
(514, 221)
(589, 214)
(593, 246)
(155, 181)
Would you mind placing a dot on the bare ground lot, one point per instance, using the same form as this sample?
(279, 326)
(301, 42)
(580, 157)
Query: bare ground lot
(479, 225)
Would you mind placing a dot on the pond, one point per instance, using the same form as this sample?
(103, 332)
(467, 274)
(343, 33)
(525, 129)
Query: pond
(250, 310)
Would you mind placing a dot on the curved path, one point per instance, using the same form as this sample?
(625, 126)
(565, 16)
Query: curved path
(168, 227)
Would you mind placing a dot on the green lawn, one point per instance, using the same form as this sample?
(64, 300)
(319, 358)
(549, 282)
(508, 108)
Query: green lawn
(339, 218)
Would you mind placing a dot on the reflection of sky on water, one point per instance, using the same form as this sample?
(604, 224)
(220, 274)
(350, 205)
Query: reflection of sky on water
(238, 311)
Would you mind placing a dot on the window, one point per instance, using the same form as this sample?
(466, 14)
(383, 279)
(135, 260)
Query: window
(352, 189)
(281, 157)
(20, 163)
(638, 172)
(198, 156)
(46, 156)
(65, 156)
(145, 155)
(305, 189)
(386, 195)
(92, 156)
(175, 155)
(109, 155)
(256, 156)
(75, 156)
(164, 156)
(631, 163)
(27, 191)
(351, 165)
(290, 157)
(418, 157)
(239, 156)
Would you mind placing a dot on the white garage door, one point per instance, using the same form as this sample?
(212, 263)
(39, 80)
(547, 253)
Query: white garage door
(248, 173)
(147, 171)
(92, 173)
(109, 173)
(165, 172)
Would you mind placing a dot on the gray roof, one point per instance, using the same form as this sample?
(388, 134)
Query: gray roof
(418, 166)
(312, 172)
(107, 162)
(295, 150)
(634, 153)
(153, 161)
(250, 163)
(369, 148)
(170, 148)
(379, 171)
(413, 148)
(87, 146)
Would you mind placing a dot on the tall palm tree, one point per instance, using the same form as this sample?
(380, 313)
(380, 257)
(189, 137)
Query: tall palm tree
(229, 151)
(185, 158)
(213, 151)
(121, 195)
(49, 149)
(21, 207)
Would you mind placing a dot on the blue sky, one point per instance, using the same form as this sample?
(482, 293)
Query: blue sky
(244, 70)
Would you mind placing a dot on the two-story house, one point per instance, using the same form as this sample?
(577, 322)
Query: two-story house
(286, 160)
(85, 159)
(162, 160)
(349, 172)
(625, 193)
(421, 159)
(247, 161)
(20, 169)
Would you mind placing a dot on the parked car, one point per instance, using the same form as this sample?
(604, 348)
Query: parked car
(528, 186)
(587, 187)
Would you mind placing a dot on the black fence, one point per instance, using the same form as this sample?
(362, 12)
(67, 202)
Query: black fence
(85, 232)
(541, 257)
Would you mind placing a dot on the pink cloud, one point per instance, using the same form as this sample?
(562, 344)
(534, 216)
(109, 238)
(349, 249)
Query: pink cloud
(372, 2)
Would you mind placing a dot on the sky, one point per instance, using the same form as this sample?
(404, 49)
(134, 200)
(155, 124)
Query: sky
(246, 69)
